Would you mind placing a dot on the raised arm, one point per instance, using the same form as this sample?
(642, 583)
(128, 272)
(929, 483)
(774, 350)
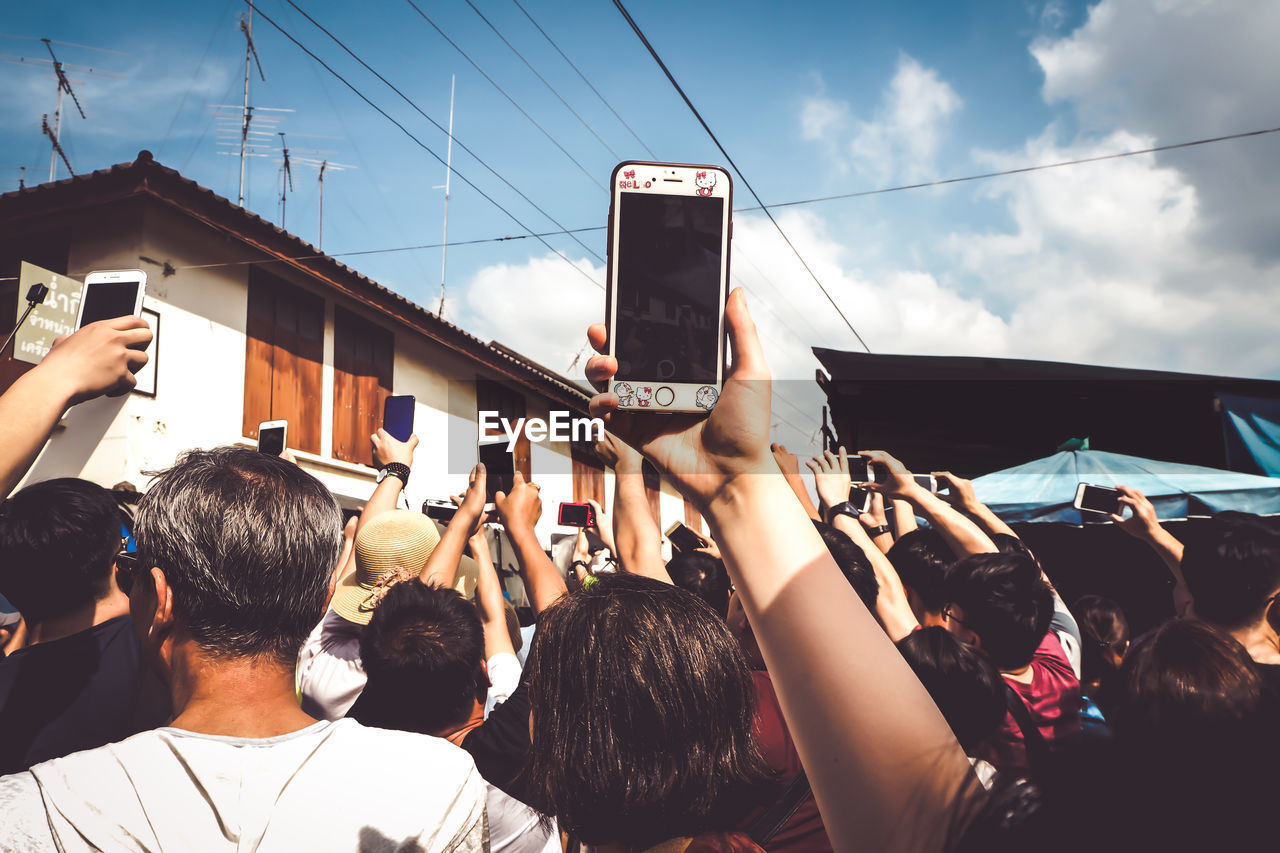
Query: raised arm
(520, 511)
(964, 537)
(100, 359)
(904, 519)
(789, 464)
(831, 477)
(884, 766)
(962, 496)
(493, 617)
(635, 530)
(1144, 526)
(442, 566)
(386, 495)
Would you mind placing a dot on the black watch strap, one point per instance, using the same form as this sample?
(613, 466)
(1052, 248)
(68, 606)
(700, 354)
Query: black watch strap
(879, 531)
(843, 508)
(397, 469)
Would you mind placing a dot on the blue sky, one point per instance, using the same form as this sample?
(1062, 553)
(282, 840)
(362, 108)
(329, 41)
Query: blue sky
(1162, 261)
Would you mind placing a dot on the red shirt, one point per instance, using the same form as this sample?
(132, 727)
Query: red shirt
(804, 833)
(1053, 701)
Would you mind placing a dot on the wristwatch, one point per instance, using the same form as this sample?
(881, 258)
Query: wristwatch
(878, 531)
(843, 508)
(395, 469)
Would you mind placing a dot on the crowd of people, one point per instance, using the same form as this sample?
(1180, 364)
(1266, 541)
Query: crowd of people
(222, 664)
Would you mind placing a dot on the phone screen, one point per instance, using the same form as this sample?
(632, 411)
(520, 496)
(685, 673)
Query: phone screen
(860, 469)
(927, 481)
(108, 299)
(499, 467)
(271, 441)
(575, 514)
(668, 287)
(685, 539)
(1100, 499)
(397, 417)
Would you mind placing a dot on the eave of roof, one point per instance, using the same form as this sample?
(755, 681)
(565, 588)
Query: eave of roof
(145, 176)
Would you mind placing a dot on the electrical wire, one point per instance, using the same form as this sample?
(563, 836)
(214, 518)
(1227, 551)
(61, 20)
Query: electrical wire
(504, 94)
(194, 79)
(654, 53)
(442, 129)
(616, 155)
(652, 156)
(426, 147)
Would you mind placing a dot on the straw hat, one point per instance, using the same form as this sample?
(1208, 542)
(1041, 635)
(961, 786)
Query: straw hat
(395, 542)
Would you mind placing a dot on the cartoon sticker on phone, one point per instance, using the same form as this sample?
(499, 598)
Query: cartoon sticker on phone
(706, 397)
(626, 394)
(705, 182)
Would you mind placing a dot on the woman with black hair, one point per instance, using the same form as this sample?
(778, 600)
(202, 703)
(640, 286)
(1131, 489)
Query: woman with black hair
(642, 709)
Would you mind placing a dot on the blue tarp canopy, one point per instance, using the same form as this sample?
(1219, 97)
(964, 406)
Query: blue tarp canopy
(1252, 426)
(1045, 489)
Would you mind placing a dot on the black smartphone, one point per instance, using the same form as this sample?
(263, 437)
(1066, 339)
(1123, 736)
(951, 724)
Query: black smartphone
(397, 416)
(860, 498)
(271, 437)
(860, 469)
(499, 467)
(682, 538)
(1100, 499)
(441, 511)
(668, 274)
(928, 481)
(573, 514)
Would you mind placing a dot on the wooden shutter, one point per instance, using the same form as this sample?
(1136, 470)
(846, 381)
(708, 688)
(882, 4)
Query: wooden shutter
(363, 366)
(284, 354)
(588, 473)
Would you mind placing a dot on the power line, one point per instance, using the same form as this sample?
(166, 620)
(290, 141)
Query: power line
(442, 129)
(615, 154)
(504, 94)
(1021, 170)
(424, 146)
(652, 52)
(585, 80)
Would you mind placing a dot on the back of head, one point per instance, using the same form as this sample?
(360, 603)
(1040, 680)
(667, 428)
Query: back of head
(58, 542)
(965, 686)
(921, 557)
(704, 576)
(247, 542)
(1234, 571)
(1104, 635)
(1006, 603)
(422, 651)
(852, 562)
(642, 714)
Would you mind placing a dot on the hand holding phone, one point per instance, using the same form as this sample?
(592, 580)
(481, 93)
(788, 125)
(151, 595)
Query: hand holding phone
(1103, 500)
(683, 538)
(499, 466)
(100, 359)
(273, 437)
(387, 448)
(397, 416)
(111, 294)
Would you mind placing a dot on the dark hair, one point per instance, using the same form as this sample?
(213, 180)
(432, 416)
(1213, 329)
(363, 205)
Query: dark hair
(1234, 570)
(921, 558)
(643, 712)
(704, 576)
(58, 542)
(964, 684)
(1006, 603)
(1104, 631)
(423, 651)
(1007, 543)
(853, 563)
(247, 543)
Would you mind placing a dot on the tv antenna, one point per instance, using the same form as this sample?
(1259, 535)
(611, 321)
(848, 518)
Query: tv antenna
(60, 69)
(322, 166)
(448, 172)
(286, 178)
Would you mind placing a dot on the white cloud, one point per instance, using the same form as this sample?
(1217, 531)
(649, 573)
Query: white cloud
(901, 140)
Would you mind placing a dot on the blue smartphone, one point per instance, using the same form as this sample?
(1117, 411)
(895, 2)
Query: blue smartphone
(397, 417)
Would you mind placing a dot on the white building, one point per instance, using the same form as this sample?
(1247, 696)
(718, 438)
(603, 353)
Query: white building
(255, 324)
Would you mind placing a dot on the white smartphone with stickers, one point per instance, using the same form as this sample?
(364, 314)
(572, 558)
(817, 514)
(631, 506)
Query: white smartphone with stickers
(668, 276)
(110, 294)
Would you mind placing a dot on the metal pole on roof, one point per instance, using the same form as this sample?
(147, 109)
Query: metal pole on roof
(448, 171)
(246, 114)
(320, 227)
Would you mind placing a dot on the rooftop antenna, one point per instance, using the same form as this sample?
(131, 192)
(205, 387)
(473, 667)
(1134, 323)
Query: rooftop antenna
(250, 53)
(286, 178)
(60, 69)
(322, 166)
(448, 171)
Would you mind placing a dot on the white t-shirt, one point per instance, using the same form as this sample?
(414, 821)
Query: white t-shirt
(331, 786)
(516, 828)
(504, 677)
(330, 675)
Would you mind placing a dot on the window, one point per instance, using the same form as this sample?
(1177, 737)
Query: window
(588, 472)
(363, 363)
(495, 397)
(284, 352)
